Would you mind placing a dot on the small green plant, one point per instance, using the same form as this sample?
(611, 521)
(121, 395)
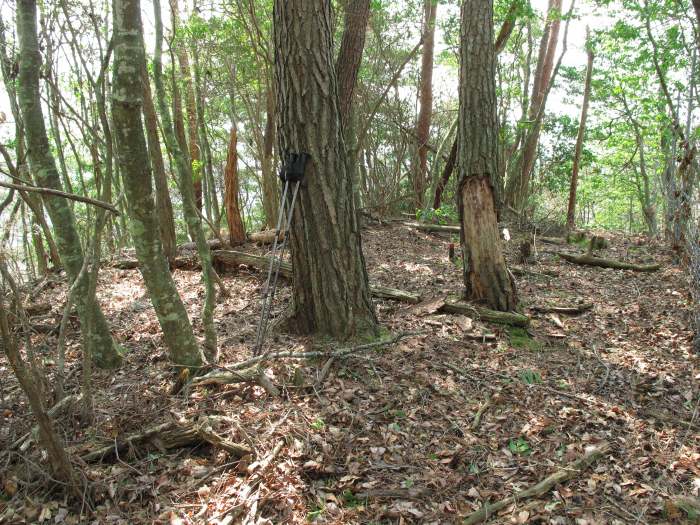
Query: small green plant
(398, 414)
(394, 427)
(474, 468)
(318, 424)
(443, 215)
(349, 499)
(519, 446)
(520, 338)
(316, 512)
(530, 377)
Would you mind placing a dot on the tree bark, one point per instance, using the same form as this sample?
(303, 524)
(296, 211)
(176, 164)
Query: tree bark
(129, 61)
(501, 41)
(269, 181)
(420, 170)
(571, 210)
(104, 351)
(164, 206)
(331, 291)
(189, 205)
(236, 230)
(350, 56)
(486, 276)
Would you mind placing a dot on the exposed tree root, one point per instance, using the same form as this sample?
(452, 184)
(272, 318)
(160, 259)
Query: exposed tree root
(568, 472)
(170, 435)
(590, 260)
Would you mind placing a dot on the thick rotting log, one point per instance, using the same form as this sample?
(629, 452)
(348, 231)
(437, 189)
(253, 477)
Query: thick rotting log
(265, 237)
(455, 306)
(568, 472)
(235, 258)
(170, 435)
(590, 260)
(443, 228)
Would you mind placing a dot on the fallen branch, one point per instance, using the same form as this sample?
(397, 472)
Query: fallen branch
(566, 473)
(567, 310)
(590, 260)
(477, 417)
(455, 306)
(59, 193)
(235, 258)
(444, 228)
(171, 435)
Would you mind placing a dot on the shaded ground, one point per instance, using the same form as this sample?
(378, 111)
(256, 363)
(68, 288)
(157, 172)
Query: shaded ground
(390, 436)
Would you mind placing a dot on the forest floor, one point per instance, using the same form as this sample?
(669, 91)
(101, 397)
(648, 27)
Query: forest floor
(390, 435)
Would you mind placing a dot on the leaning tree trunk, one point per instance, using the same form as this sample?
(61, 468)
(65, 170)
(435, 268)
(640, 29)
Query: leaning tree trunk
(50, 440)
(127, 98)
(420, 170)
(571, 210)
(164, 206)
(350, 55)
(486, 276)
(236, 230)
(104, 351)
(331, 291)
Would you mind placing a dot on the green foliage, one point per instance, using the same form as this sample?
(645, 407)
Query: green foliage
(519, 446)
(318, 424)
(520, 338)
(530, 377)
(443, 215)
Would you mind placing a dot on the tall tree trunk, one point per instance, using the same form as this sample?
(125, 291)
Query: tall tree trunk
(236, 230)
(486, 276)
(517, 190)
(500, 45)
(190, 103)
(571, 210)
(420, 169)
(105, 352)
(331, 290)
(189, 204)
(269, 181)
(164, 206)
(127, 97)
(350, 56)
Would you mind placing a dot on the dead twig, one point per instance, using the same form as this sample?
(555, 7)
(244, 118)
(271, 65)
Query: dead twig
(564, 474)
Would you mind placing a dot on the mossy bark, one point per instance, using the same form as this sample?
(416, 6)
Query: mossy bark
(136, 175)
(105, 352)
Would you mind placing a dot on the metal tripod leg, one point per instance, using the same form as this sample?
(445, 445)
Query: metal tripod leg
(286, 214)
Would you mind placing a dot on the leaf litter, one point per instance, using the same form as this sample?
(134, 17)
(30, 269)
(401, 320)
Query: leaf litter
(426, 431)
